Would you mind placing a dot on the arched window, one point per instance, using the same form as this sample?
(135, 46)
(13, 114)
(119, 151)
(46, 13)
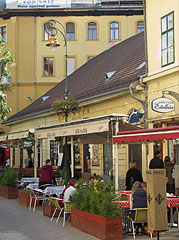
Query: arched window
(114, 31)
(46, 35)
(92, 31)
(140, 27)
(70, 28)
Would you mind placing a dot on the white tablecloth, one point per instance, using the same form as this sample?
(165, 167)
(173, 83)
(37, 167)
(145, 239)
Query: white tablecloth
(54, 190)
(29, 180)
(33, 185)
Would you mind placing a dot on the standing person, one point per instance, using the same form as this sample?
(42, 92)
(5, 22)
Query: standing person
(47, 174)
(156, 162)
(169, 166)
(70, 190)
(132, 175)
(29, 161)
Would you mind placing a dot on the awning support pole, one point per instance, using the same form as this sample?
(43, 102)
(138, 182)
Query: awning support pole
(11, 155)
(116, 158)
(35, 159)
(116, 167)
(72, 158)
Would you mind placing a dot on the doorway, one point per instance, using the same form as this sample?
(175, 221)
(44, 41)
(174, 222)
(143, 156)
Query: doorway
(135, 155)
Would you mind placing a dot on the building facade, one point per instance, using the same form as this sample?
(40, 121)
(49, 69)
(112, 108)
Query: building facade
(92, 27)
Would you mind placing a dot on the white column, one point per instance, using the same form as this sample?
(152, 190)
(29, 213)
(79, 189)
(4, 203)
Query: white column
(116, 167)
(72, 158)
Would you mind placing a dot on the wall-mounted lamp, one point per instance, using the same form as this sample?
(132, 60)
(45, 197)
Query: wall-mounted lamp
(140, 113)
(29, 99)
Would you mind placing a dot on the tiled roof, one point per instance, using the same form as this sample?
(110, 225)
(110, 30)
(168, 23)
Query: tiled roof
(90, 80)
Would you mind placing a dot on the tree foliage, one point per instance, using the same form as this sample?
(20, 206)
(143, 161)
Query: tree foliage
(5, 60)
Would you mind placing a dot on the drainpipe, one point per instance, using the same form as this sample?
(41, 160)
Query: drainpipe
(145, 107)
(35, 60)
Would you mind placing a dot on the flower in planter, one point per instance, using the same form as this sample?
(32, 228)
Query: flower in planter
(66, 105)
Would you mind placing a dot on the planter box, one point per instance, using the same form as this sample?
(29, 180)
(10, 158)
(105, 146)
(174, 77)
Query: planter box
(24, 199)
(8, 192)
(103, 228)
(48, 210)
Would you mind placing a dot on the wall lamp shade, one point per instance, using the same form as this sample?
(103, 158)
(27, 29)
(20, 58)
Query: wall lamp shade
(140, 113)
(53, 43)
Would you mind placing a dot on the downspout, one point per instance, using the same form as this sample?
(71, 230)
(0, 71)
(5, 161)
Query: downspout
(35, 58)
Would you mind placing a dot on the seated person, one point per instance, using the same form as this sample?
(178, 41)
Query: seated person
(70, 190)
(139, 200)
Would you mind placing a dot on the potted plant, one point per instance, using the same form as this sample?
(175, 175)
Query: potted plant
(8, 184)
(24, 198)
(94, 213)
(63, 105)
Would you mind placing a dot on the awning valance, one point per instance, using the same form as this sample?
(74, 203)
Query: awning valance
(147, 135)
(3, 137)
(74, 130)
(18, 135)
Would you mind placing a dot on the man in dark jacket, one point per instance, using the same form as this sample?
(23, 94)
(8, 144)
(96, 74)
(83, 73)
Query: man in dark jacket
(156, 162)
(47, 174)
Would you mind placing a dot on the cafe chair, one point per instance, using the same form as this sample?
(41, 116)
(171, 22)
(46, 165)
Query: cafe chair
(67, 210)
(36, 195)
(54, 201)
(138, 215)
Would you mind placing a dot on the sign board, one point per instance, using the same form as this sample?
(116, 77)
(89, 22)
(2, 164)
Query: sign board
(163, 105)
(132, 117)
(156, 200)
(29, 4)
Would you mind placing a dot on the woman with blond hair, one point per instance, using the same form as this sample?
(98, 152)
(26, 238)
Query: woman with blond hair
(132, 175)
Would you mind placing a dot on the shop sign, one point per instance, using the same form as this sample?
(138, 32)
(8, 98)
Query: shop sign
(43, 3)
(163, 105)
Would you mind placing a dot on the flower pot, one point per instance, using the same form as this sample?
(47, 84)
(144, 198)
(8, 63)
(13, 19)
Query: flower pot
(24, 199)
(106, 228)
(48, 210)
(8, 192)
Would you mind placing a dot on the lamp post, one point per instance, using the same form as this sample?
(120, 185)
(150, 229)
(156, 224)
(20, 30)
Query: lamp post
(52, 30)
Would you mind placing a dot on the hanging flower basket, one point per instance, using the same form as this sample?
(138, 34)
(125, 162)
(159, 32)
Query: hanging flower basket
(69, 105)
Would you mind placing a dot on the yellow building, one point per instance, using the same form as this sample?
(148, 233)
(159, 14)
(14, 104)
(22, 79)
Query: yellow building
(162, 31)
(91, 29)
(102, 88)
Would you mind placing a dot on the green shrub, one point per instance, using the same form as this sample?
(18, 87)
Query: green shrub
(96, 199)
(9, 177)
(25, 190)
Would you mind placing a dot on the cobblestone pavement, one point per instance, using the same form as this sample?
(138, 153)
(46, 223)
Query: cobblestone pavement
(18, 223)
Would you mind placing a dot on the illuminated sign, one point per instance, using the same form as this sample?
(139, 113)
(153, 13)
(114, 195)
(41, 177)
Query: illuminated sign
(43, 3)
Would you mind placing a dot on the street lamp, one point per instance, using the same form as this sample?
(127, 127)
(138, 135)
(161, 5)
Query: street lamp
(53, 44)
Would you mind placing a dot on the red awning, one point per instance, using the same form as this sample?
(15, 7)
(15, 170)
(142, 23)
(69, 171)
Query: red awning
(147, 135)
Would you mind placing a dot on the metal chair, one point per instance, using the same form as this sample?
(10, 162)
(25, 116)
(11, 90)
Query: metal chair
(34, 194)
(54, 201)
(67, 209)
(138, 215)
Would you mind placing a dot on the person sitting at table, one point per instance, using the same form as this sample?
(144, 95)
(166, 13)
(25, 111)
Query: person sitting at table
(139, 200)
(70, 190)
(132, 175)
(47, 174)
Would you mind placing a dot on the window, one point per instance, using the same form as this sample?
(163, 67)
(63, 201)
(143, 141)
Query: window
(167, 47)
(92, 31)
(140, 27)
(114, 31)
(48, 66)
(70, 65)
(46, 34)
(70, 28)
(3, 33)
